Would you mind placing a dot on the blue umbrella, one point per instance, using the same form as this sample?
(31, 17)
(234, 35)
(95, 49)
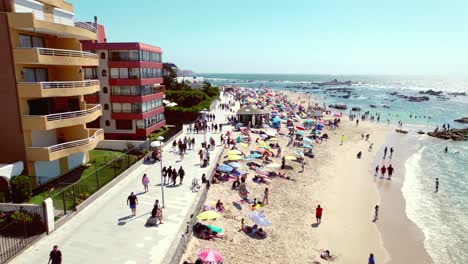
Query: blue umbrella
(234, 164)
(276, 119)
(307, 140)
(307, 146)
(259, 218)
(255, 155)
(224, 168)
(236, 173)
(301, 133)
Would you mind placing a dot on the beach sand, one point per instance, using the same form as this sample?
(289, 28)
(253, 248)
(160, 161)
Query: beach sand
(342, 184)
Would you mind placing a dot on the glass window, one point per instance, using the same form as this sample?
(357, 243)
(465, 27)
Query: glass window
(140, 124)
(25, 41)
(103, 55)
(127, 108)
(41, 75)
(134, 73)
(29, 75)
(123, 73)
(133, 55)
(114, 73)
(116, 107)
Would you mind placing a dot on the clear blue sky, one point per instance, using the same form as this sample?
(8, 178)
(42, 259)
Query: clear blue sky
(296, 36)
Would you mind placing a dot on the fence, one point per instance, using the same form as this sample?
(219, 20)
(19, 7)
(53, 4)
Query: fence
(66, 53)
(19, 234)
(72, 194)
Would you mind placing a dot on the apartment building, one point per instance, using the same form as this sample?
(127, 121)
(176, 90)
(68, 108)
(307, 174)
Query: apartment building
(131, 87)
(42, 88)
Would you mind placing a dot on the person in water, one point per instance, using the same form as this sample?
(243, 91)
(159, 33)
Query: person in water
(446, 149)
(437, 185)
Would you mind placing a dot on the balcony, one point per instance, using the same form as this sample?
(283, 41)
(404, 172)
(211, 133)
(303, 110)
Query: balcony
(40, 22)
(52, 121)
(57, 89)
(46, 56)
(66, 149)
(135, 115)
(60, 4)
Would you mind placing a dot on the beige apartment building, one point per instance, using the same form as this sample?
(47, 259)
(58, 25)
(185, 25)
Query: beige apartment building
(42, 88)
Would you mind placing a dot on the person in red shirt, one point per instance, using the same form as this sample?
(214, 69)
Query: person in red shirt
(383, 170)
(318, 214)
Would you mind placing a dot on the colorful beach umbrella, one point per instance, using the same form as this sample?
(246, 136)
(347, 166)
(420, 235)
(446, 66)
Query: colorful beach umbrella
(273, 139)
(225, 168)
(255, 155)
(210, 255)
(300, 133)
(244, 145)
(208, 215)
(276, 120)
(307, 140)
(234, 152)
(259, 218)
(234, 165)
(243, 191)
(307, 146)
(290, 157)
(234, 157)
(300, 127)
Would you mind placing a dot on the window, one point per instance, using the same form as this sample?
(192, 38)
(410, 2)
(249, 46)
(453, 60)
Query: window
(134, 73)
(124, 124)
(114, 73)
(107, 123)
(106, 107)
(27, 41)
(123, 73)
(35, 75)
(104, 90)
(90, 73)
(104, 73)
(103, 55)
(116, 107)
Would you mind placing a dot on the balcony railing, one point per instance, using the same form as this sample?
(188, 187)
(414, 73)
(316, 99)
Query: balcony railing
(69, 84)
(73, 114)
(66, 53)
(73, 144)
(87, 26)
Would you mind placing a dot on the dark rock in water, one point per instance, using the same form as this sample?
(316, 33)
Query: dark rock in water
(334, 82)
(402, 96)
(421, 132)
(401, 131)
(462, 120)
(373, 106)
(418, 98)
(454, 134)
(431, 92)
(393, 93)
(457, 94)
(339, 106)
(356, 108)
(386, 106)
(345, 96)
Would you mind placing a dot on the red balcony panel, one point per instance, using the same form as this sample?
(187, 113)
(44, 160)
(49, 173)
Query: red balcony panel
(151, 129)
(135, 99)
(91, 99)
(135, 82)
(137, 116)
(134, 64)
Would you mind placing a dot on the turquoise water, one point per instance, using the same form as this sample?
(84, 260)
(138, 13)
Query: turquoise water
(443, 217)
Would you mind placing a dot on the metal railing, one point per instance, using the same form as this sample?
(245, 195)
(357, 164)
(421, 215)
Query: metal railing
(73, 144)
(73, 114)
(69, 84)
(66, 53)
(86, 25)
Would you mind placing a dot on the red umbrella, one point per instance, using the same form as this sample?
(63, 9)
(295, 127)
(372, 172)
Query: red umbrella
(300, 127)
(210, 255)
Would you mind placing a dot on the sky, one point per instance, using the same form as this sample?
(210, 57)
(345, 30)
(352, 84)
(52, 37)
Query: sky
(402, 37)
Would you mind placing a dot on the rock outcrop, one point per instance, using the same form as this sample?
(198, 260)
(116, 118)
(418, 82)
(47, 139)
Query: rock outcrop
(339, 106)
(401, 131)
(462, 120)
(431, 92)
(418, 98)
(356, 108)
(454, 134)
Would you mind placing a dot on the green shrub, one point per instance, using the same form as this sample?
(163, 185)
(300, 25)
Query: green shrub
(21, 188)
(21, 217)
(4, 197)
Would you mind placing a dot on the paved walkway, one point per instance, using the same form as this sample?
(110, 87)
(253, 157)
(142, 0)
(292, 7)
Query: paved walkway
(103, 232)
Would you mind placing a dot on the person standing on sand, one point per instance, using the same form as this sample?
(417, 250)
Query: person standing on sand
(376, 170)
(145, 181)
(265, 196)
(283, 162)
(383, 170)
(391, 152)
(371, 259)
(437, 185)
(318, 214)
(342, 140)
(376, 213)
(390, 172)
(132, 200)
(385, 152)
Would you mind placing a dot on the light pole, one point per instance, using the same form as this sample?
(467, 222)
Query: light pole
(160, 140)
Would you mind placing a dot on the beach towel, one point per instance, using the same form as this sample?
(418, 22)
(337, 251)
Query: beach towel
(215, 228)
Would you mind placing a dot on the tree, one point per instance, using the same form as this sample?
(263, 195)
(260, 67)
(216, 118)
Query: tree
(169, 77)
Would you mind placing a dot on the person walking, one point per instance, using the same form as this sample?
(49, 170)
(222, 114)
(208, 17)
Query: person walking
(385, 152)
(278, 153)
(55, 256)
(265, 196)
(174, 176)
(383, 170)
(181, 174)
(145, 181)
(164, 175)
(318, 214)
(437, 185)
(376, 170)
(371, 259)
(157, 212)
(342, 140)
(376, 213)
(132, 200)
(391, 152)
(283, 162)
(390, 171)
(174, 144)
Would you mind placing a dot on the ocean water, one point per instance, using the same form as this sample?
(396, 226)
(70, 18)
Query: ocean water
(443, 217)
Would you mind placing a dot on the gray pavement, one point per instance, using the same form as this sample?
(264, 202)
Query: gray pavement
(104, 233)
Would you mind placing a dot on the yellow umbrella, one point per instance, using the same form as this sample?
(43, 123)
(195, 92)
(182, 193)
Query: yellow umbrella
(234, 152)
(273, 139)
(234, 157)
(290, 157)
(244, 145)
(208, 215)
(261, 142)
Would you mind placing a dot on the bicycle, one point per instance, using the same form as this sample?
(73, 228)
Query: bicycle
(195, 185)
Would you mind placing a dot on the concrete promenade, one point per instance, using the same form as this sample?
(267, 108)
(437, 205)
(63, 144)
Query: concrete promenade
(104, 233)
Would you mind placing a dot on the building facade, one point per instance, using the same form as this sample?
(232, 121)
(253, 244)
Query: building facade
(43, 87)
(131, 88)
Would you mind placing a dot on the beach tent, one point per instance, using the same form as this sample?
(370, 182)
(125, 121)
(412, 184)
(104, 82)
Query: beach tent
(251, 115)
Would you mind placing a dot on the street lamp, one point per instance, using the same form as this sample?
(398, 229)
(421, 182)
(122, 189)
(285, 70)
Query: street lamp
(160, 140)
(203, 115)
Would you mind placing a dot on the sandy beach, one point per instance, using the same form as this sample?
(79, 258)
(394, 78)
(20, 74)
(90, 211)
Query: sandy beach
(342, 184)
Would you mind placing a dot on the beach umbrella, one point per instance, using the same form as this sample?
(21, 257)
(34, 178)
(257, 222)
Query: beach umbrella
(208, 215)
(234, 165)
(307, 146)
(166, 102)
(234, 152)
(289, 157)
(224, 168)
(273, 139)
(263, 136)
(273, 165)
(271, 133)
(244, 145)
(300, 127)
(261, 171)
(210, 255)
(243, 191)
(261, 142)
(307, 121)
(300, 133)
(155, 144)
(299, 152)
(239, 139)
(307, 140)
(266, 147)
(234, 157)
(259, 218)
(236, 173)
(255, 155)
(276, 120)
